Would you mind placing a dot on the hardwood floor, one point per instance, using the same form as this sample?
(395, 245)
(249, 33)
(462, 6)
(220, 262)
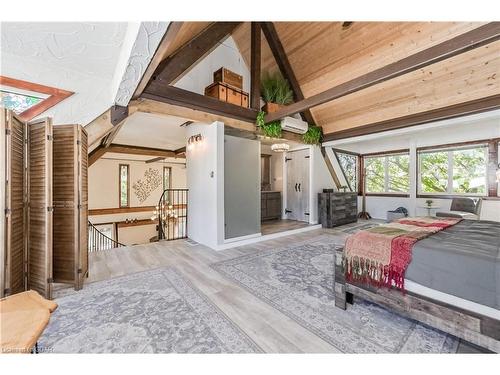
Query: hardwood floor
(276, 226)
(273, 331)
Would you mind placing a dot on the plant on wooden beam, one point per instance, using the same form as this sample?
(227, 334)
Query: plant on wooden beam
(313, 135)
(272, 129)
(275, 91)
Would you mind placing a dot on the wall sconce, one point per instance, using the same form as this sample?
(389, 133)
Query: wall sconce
(194, 140)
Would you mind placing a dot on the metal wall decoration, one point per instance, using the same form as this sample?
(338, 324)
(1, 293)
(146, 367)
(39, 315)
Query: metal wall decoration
(151, 181)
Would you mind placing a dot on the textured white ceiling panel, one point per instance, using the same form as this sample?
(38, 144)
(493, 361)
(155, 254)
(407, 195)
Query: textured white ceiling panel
(97, 61)
(89, 48)
(147, 39)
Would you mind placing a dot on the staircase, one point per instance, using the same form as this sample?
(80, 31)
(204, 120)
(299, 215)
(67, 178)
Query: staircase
(98, 241)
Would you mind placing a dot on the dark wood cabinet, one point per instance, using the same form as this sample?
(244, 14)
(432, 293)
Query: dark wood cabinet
(336, 208)
(270, 205)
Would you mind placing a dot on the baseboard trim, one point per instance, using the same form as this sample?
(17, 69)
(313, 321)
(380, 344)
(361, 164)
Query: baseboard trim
(265, 237)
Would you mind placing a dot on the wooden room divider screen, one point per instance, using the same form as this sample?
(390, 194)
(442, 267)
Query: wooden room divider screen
(44, 230)
(70, 204)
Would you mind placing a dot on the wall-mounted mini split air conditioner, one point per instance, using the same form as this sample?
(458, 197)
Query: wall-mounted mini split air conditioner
(294, 125)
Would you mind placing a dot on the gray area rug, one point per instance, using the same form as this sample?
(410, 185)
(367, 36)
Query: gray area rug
(156, 311)
(298, 281)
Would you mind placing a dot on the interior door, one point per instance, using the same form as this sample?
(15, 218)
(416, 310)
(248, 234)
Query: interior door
(297, 201)
(292, 207)
(40, 207)
(13, 248)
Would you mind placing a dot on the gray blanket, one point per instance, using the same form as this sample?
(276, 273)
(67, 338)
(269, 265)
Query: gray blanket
(463, 260)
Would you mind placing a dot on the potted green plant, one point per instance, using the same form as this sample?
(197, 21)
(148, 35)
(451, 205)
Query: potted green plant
(313, 135)
(275, 91)
(271, 129)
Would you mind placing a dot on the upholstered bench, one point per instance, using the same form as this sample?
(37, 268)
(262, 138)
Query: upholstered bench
(23, 318)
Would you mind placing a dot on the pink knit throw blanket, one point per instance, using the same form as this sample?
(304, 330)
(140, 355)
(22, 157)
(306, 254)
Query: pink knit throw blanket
(379, 256)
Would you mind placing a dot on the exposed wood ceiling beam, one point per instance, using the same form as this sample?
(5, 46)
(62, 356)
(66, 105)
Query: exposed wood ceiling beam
(96, 154)
(138, 150)
(473, 39)
(179, 63)
(131, 150)
(154, 160)
(238, 126)
(284, 66)
(180, 151)
(462, 109)
(172, 31)
(173, 95)
(255, 60)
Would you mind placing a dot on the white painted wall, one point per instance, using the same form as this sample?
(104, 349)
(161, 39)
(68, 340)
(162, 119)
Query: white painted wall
(320, 179)
(205, 181)
(225, 55)
(469, 128)
(136, 235)
(103, 181)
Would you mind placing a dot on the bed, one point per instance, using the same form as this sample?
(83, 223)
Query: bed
(452, 283)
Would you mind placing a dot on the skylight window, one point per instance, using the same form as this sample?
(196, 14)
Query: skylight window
(18, 102)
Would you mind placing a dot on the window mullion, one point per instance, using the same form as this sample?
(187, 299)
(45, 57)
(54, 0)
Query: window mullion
(450, 172)
(386, 174)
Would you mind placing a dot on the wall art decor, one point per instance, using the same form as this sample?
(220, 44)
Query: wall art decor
(144, 187)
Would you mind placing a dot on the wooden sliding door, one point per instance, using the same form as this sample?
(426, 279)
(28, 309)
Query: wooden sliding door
(13, 248)
(39, 220)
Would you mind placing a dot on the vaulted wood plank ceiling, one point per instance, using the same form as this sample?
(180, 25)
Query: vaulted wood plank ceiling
(324, 54)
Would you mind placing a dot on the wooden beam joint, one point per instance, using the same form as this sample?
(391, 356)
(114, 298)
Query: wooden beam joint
(118, 114)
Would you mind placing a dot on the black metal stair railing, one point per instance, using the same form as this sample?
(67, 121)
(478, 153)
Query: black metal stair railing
(172, 214)
(98, 241)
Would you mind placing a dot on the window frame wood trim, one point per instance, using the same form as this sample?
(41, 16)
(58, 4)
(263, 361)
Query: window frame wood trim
(362, 157)
(491, 185)
(120, 185)
(55, 96)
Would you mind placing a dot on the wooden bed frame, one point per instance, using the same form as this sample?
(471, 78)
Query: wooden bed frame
(475, 328)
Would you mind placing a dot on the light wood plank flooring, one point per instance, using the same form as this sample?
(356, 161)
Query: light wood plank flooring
(276, 226)
(273, 331)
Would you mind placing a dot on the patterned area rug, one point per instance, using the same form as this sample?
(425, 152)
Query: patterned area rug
(298, 281)
(156, 311)
(359, 227)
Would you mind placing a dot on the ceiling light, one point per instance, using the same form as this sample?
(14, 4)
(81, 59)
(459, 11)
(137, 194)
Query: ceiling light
(280, 147)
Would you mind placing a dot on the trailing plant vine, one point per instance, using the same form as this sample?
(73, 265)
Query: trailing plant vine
(271, 129)
(313, 135)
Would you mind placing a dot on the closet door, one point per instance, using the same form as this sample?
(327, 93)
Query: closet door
(14, 231)
(40, 207)
(292, 201)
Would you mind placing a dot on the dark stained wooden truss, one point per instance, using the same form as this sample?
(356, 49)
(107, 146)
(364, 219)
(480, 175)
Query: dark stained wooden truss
(176, 65)
(465, 42)
(159, 86)
(285, 68)
(488, 103)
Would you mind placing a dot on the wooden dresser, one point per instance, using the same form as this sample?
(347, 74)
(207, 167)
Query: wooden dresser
(336, 208)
